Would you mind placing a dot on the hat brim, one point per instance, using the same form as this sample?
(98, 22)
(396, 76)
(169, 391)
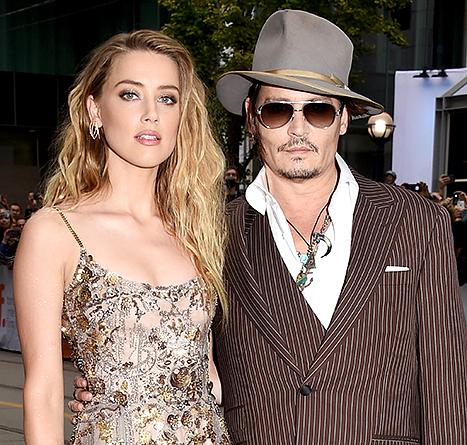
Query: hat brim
(232, 89)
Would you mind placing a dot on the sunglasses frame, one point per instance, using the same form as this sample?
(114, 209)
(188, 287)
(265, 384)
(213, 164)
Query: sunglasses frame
(337, 112)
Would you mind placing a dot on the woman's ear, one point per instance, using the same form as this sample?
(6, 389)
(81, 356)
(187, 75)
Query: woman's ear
(93, 111)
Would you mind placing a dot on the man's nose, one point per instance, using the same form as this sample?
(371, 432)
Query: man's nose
(298, 125)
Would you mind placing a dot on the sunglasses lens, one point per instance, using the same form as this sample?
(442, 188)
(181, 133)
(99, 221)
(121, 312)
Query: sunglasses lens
(275, 114)
(319, 114)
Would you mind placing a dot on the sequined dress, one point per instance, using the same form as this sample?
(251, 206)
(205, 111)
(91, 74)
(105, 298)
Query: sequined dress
(144, 352)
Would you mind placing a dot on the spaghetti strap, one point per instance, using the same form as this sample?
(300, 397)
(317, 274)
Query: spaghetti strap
(67, 223)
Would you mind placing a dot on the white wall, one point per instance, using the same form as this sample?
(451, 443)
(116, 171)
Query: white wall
(414, 117)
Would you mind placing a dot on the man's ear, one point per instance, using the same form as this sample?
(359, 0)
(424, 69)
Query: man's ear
(93, 111)
(345, 119)
(249, 119)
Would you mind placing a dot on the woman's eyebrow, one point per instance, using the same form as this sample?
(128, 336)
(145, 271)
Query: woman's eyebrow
(130, 82)
(140, 84)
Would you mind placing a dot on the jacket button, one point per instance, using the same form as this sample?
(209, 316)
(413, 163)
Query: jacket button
(305, 390)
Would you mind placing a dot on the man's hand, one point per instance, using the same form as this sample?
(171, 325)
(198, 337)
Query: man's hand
(9, 235)
(443, 181)
(424, 190)
(81, 394)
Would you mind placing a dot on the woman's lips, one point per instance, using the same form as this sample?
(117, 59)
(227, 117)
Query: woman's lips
(148, 138)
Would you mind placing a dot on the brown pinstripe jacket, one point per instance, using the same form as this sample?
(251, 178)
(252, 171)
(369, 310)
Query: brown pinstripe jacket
(392, 367)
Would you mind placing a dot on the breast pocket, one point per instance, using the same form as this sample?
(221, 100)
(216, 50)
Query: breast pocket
(396, 292)
(396, 277)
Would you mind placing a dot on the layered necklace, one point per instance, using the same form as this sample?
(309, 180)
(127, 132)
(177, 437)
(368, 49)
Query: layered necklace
(304, 277)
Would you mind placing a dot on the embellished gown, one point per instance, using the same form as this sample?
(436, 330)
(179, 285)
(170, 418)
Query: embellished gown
(144, 352)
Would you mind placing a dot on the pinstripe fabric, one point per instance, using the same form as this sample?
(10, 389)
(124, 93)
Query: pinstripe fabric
(391, 368)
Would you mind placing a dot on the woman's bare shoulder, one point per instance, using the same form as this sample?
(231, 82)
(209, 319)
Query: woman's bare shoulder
(46, 228)
(45, 221)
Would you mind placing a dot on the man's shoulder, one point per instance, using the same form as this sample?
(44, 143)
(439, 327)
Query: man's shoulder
(240, 217)
(236, 208)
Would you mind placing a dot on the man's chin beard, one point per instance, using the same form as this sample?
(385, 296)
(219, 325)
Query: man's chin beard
(299, 173)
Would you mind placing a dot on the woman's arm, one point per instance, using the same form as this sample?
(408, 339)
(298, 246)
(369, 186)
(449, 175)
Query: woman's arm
(214, 375)
(38, 290)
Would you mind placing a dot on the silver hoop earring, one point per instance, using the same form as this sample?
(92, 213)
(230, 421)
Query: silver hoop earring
(94, 131)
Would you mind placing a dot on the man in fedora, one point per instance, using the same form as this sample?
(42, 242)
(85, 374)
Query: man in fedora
(345, 325)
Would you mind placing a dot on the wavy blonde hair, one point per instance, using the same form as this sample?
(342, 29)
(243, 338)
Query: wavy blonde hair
(188, 189)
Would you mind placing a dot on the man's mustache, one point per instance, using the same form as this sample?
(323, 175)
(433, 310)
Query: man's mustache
(298, 142)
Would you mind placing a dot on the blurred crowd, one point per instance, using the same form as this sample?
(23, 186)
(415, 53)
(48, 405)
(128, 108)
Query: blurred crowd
(456, 204)
(12, 222)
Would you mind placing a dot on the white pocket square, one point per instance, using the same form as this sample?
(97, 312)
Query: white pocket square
(396, 269)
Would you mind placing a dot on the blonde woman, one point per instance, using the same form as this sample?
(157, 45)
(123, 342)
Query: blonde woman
(126, 257)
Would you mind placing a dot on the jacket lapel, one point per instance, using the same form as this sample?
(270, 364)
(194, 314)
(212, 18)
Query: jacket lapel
(375, 225)
(243, 285)
(298, 325)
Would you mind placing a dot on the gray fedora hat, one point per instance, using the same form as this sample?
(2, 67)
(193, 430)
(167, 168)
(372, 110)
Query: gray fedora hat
(300, 51)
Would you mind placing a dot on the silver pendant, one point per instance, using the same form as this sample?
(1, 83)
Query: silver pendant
(321, 237)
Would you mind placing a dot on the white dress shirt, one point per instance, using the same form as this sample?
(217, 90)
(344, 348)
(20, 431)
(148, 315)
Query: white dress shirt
(328, 277)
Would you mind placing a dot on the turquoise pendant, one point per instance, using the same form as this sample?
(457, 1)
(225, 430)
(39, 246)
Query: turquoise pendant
(303, 258)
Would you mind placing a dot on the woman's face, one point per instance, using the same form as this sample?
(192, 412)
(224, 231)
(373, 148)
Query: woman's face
(4, 220)
(139, 110)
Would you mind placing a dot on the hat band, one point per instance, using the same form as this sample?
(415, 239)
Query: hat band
(309, 75)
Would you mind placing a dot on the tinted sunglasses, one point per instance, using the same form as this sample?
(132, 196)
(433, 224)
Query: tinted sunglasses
(279, 113)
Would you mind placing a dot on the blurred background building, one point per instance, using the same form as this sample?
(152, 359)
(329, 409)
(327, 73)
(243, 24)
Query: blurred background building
(437, 34)
(43, 42)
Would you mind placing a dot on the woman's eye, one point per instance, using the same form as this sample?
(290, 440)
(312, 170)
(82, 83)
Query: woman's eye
(168, 100)
(129, 95)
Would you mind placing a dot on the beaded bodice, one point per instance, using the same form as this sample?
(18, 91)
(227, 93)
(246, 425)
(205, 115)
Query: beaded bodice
(144, 352)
